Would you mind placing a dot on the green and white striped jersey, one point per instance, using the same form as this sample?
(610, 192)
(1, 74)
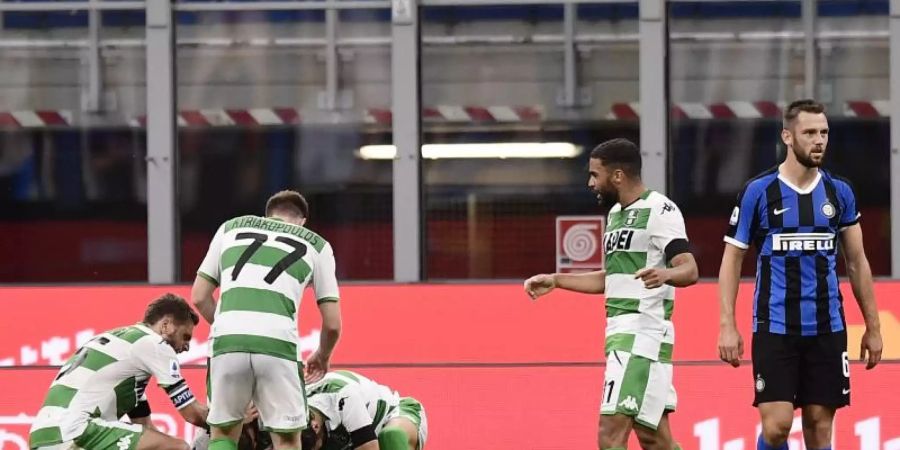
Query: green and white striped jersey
(351, 400)
(262, 266)
(105, 379)
(638, 320)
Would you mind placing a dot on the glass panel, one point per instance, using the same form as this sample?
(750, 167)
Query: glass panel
(72, 173)
(854, 81)
(496, 74)
(256, 118)
(734, 66)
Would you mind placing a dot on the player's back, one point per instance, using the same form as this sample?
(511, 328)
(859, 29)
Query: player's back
(379, 399)
(105, 378)
(637, 236)
(262, 266)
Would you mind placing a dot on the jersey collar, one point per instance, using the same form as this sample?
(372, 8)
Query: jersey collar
(812, 186)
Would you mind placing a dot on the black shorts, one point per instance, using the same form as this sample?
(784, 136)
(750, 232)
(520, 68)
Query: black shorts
(803, 370)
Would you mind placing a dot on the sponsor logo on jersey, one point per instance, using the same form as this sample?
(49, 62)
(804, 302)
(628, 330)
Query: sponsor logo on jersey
(784, 242)
(629, 403)
(618, 240)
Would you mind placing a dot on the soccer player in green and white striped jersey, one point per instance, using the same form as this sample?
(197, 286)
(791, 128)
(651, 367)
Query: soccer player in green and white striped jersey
(350, 411)
(647, 257)
(261, 266)
(106, 379)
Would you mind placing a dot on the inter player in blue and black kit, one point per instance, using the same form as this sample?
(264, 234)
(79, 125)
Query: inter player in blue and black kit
(795, 215)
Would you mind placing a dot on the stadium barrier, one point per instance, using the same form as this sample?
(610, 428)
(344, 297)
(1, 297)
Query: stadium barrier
(493, 369)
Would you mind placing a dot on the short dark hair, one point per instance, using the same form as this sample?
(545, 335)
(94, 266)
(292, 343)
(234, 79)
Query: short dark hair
(621, 154)
(287, 201)
(796, 107)
(170, 305)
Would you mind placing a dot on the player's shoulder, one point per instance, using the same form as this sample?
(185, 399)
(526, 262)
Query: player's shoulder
(840, 183)
(760, 182)
(660, 202)
(151, 344)
(315, 239)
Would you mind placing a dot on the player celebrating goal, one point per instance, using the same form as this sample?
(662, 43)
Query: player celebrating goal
(106, 379)
(262, 265)
(647, 256)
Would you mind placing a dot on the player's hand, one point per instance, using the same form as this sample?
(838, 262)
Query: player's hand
(653, 277)
(251, 413)
(871, 344)
(316, 367)
(539, 285)
(731, 345)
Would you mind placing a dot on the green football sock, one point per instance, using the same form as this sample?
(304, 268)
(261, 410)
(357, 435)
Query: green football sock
(222, 444)
(392, 439)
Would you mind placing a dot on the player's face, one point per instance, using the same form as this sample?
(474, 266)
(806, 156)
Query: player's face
(808, 138)
(601, 184)
(178, 336)
(317, 423)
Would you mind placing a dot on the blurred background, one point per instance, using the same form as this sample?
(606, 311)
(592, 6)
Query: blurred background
(438, 142)
(285, 94)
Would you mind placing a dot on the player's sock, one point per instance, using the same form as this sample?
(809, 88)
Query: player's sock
(761, 445)
(392, 439)
(222, 444)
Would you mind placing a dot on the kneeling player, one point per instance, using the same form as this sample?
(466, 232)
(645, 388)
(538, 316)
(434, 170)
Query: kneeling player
(348, 410)
(106, 378)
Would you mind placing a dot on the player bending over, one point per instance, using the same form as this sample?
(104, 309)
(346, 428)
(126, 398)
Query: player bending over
(348, 410)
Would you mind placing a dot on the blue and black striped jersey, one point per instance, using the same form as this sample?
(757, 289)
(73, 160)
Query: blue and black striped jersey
(795, 232)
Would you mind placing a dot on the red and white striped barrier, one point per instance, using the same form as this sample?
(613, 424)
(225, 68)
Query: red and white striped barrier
(688, 110)
(465, 114)
(35, 119)
(868, 109)
(231, 117)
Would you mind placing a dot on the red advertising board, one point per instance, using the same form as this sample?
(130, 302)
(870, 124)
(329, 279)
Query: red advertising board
(494, 369)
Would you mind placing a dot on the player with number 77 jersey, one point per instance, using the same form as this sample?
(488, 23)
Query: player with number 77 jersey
(261, 266)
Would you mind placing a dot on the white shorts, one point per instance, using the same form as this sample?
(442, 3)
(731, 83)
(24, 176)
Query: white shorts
(273, 384)
(638, 387)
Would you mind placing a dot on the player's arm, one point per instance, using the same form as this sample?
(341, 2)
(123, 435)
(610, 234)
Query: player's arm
(207, 279)
(667, 233)
(160, 361)
(860, 275)
(355, 418)
(741, 227)
(583, 282)
(328, 299)
(140, 415)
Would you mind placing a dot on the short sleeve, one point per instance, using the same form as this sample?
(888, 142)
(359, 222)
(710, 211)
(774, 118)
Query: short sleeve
(159, 359)
(849, 214)
(211, 268)
(324, 279)
(352, 409)
(667, 226)
(743, 218)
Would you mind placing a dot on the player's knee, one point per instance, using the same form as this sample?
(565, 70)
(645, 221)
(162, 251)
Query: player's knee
(775, 430)
(650, 439)
(819, 429)
(612, 434)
